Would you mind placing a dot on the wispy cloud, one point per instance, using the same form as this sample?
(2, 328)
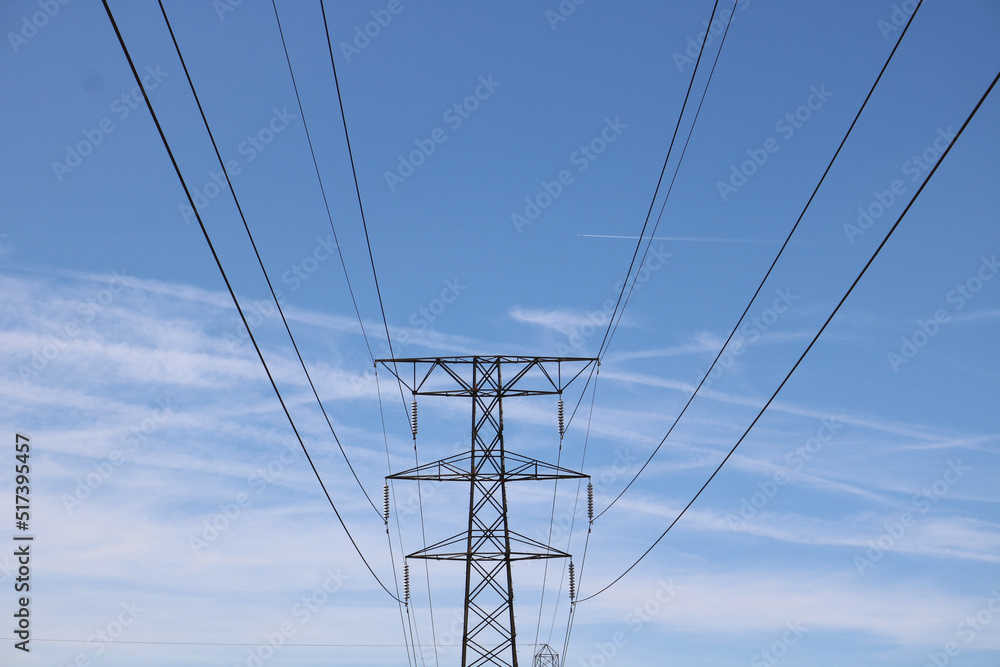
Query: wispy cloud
(980, 315)
(166, 342)
(565, 322)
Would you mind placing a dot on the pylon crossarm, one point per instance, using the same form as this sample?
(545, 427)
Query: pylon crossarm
(421, 384)
(519, 468)
(527, 548)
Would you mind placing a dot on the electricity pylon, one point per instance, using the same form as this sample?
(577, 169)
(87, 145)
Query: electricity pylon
(546, 657)
(488, 546)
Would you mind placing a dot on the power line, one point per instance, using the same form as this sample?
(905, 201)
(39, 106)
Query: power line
(423, 529)
(354, 171)
(357, 190)
(319, 178)
(571, 620)
(659, 181)
(330, 216)
(811, 343)
(427, 571)
(410, 621)
(423, 532)
(229, 287)
(555, 490)
(371, 257)
(572, 525)
(670, 188)
(174, 643)
(260, 261)
(609, 333)
(326, 203)
(773, 263)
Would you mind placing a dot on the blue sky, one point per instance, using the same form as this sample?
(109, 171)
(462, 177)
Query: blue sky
(856, 524)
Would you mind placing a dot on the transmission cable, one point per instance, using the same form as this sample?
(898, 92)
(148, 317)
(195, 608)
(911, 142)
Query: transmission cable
(357, 190)
(232, 293)
(569, 541)
(555, 490)
(659, 181)
(354, 171)
(673, 179)
(319, 179)
(371, 257)
(326, 203)
(576, 501)
(811, 343)
(769, 270)
(260, 261)
(179, 643)
(399, 532)
(410, 620)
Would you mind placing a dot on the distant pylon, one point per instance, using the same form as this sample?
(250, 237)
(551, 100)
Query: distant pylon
(546, 657)
(489, 546)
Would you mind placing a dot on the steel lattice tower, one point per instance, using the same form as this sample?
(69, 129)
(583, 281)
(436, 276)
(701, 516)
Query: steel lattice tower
(489, 546)
(546, 657)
